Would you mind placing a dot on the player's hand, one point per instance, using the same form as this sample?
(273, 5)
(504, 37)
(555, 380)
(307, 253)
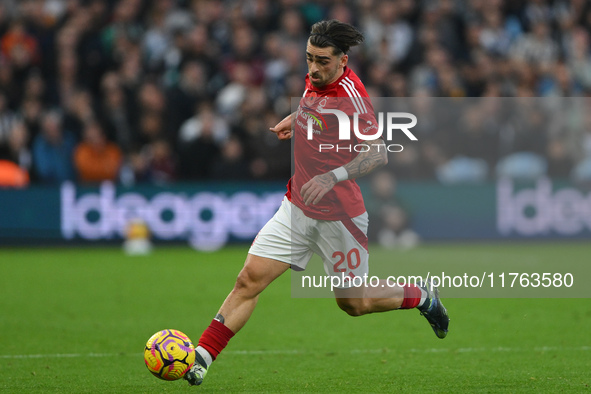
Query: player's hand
(313, 191)
(283, 128)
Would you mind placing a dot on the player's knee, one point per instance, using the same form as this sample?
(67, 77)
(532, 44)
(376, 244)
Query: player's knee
(247, 283)
(352, 306)
(244, 281)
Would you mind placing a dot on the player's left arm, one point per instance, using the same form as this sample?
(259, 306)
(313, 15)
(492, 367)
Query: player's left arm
(364, 163)
(284, 128)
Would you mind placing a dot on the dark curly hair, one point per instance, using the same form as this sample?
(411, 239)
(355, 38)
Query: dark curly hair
(333, 33)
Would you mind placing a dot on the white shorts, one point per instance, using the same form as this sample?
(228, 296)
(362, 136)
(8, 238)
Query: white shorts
(292, 237)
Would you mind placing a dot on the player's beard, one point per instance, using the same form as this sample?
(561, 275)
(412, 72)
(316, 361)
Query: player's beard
(324, 79)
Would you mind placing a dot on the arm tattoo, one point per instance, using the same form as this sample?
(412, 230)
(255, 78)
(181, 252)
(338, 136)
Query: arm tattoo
(365, 162)
(365, 166)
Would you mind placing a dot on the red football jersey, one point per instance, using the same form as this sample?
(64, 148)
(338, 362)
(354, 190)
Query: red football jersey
(325, 151)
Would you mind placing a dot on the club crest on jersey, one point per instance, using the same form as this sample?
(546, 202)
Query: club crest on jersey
(310, 99)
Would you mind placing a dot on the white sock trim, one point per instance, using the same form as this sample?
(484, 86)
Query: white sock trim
(205, 355)
(423, 297)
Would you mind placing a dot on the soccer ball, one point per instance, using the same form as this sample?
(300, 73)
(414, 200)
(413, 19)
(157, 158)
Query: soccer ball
(169, 354)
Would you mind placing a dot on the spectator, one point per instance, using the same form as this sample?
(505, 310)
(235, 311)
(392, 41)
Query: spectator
(35, 86)
(16, 149)
(19, 47)
(494, 38)
(140, 69)
(31, 114)
(161, 164)
(292, 29)
(11, 175)
(390, 223)
(579, 58)
(559, 83)
(200, 140)
(7, 119)
(559, 163)
(134, 169)
(150, 129)
(389, 35)
(204, 121)
(267, 155)
(536, 48)
(79, 110)
(231, 97)
(52, 150)
(476, 136)
(156, 41)
(124, 25)
(231, 165)
(67, 77)
(5, 18)
(96, 159)
(244, 52)
(8, 84)
(276, 66)
(191, 89)
(115, 112)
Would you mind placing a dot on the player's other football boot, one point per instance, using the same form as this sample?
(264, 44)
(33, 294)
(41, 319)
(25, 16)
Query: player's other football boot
(434, 311)
(197, 372)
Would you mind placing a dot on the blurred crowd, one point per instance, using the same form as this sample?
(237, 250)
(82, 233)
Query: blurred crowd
(158, 91)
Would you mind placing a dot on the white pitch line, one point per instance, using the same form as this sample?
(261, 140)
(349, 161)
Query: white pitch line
(293, 351)
(63, 355)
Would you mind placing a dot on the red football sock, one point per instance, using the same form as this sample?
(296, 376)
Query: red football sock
(412, 297)
(215, 338)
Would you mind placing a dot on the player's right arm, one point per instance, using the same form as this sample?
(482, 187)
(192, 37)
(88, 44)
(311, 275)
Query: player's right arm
(283, 129)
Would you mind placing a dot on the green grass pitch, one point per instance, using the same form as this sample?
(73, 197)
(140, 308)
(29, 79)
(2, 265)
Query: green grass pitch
(75, 320)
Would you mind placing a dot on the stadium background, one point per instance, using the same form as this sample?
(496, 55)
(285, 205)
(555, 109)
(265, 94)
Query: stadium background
(154, 95)
(170, 103)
